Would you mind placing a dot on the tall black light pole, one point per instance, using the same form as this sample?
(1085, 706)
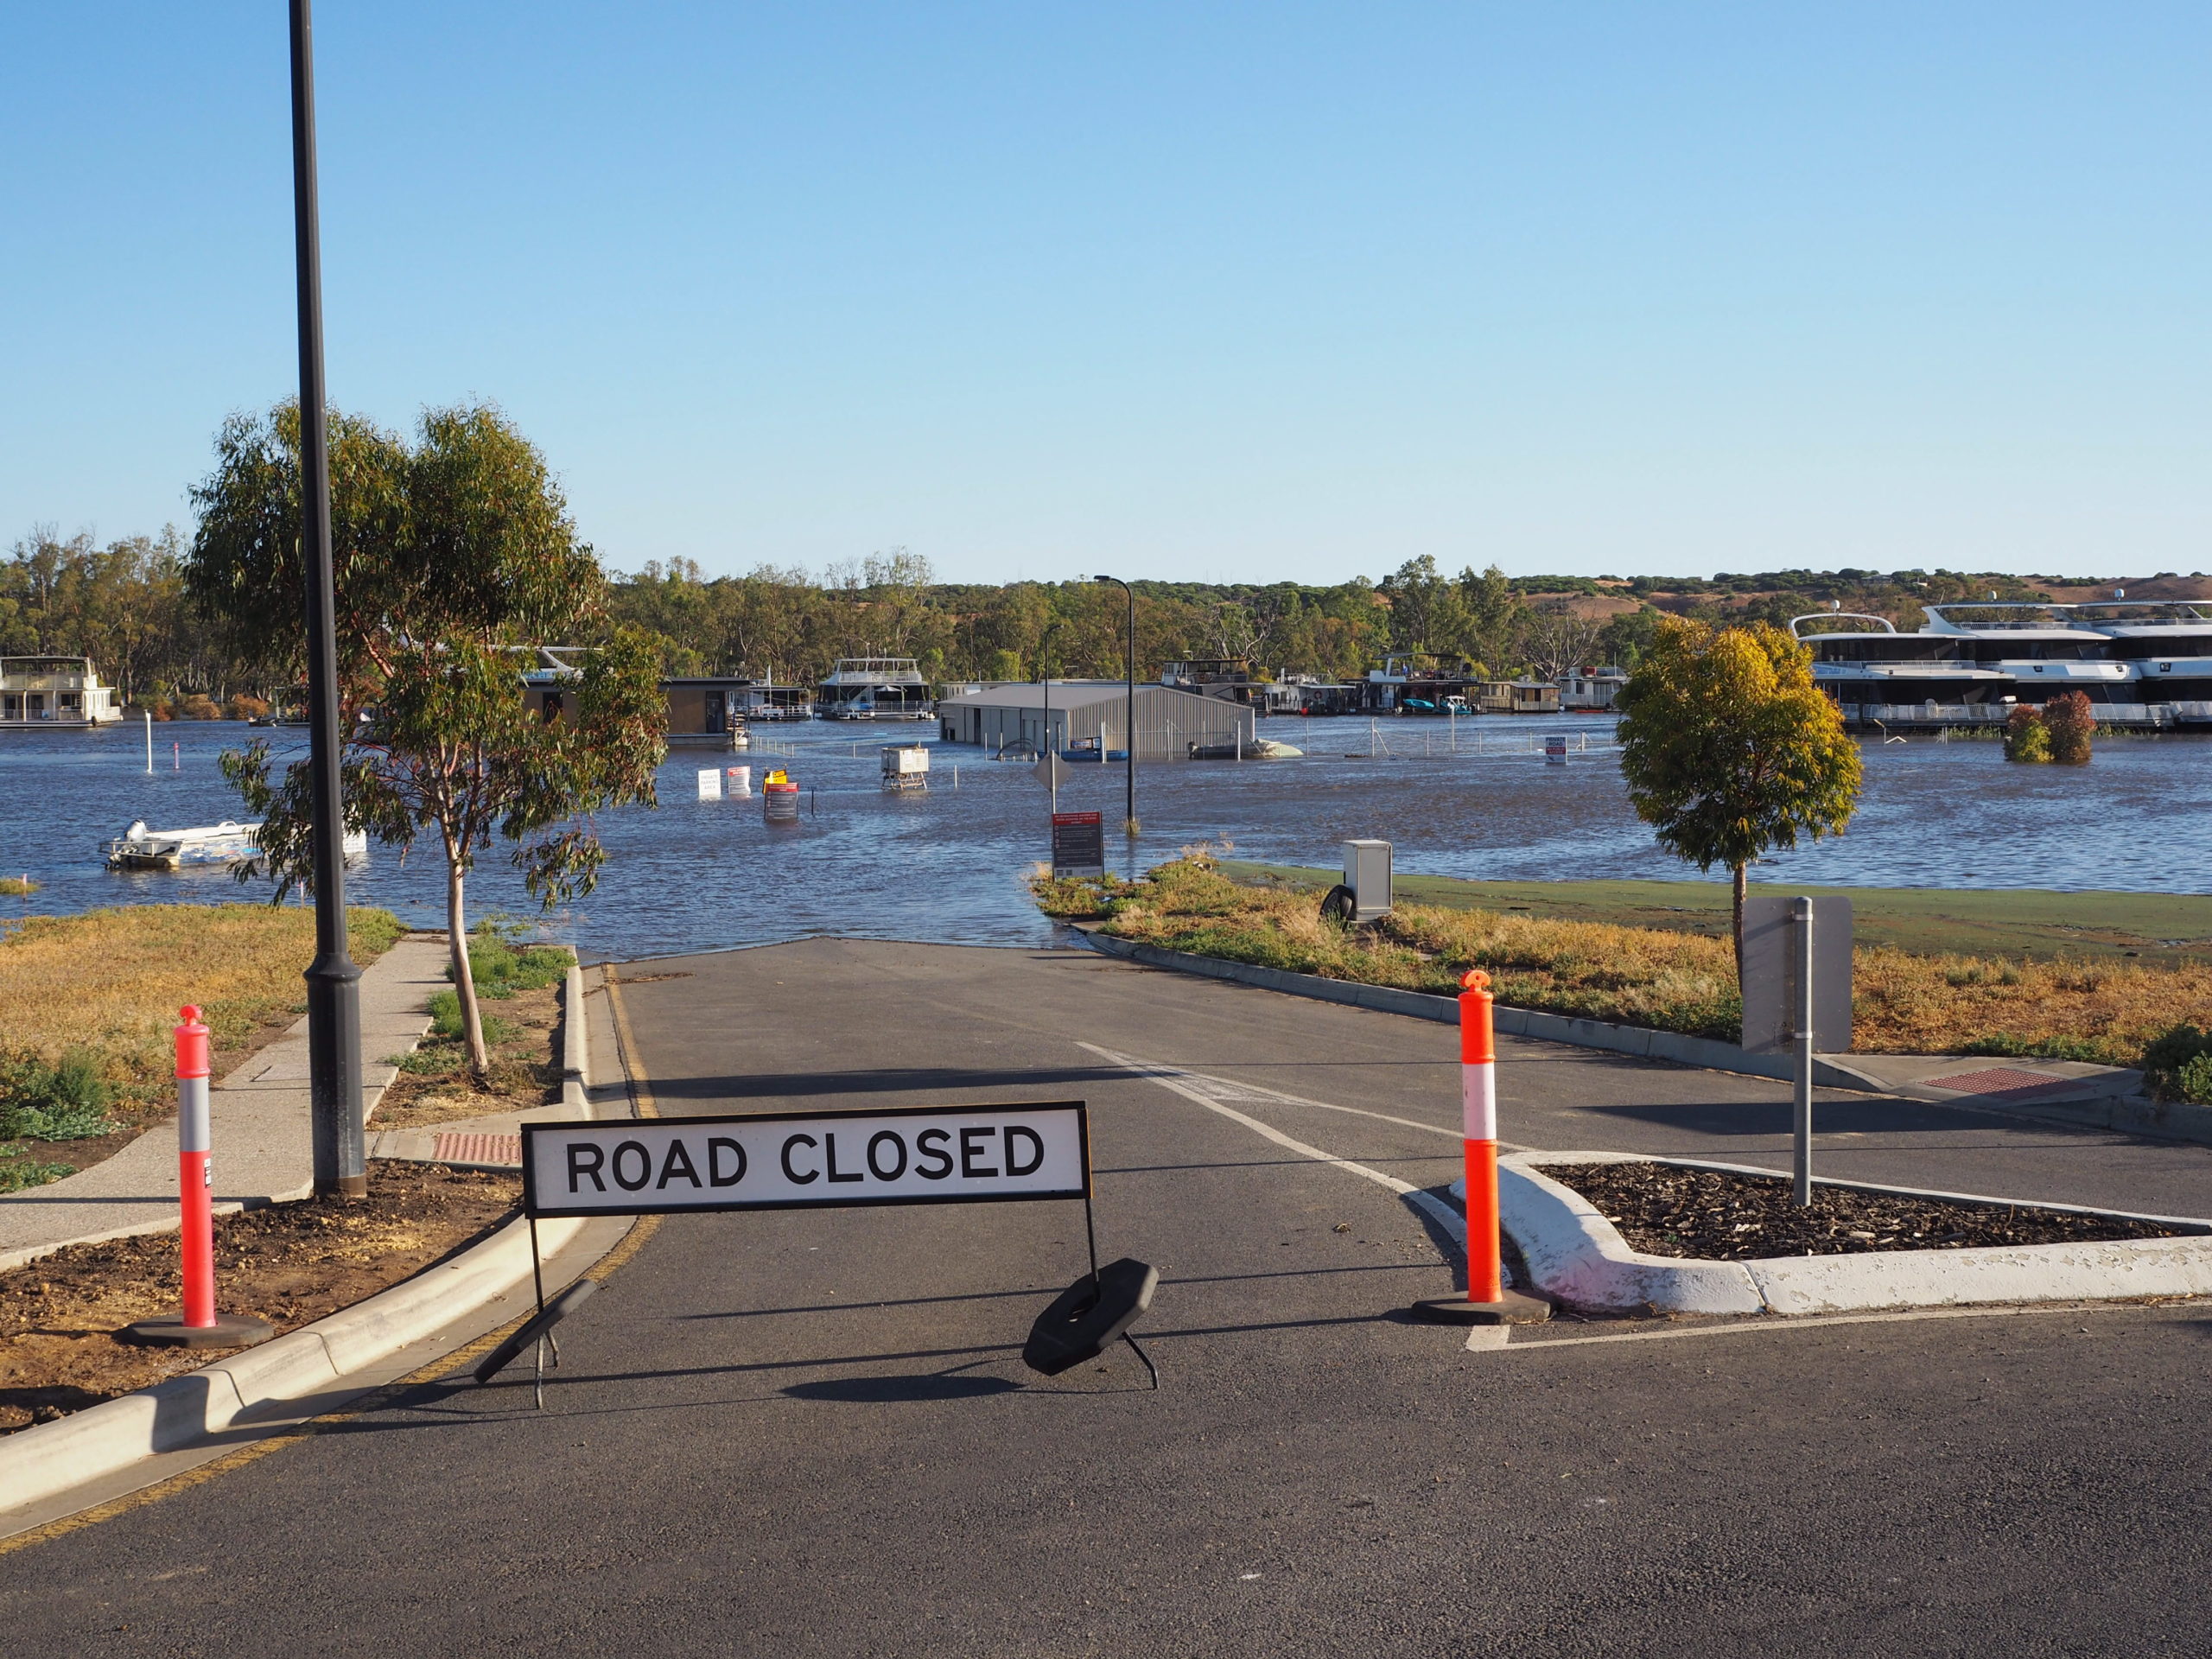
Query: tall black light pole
(334, 983)
(1051, 750)
(1129, 813)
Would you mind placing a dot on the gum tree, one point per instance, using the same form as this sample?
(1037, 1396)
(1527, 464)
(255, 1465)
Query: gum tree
(454, 556)
(1730, 750)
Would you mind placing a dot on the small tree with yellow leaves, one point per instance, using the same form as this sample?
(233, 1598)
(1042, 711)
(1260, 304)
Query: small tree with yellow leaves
(1731, 751)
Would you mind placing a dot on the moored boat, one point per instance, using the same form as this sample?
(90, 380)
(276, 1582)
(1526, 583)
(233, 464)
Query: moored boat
(141, 849)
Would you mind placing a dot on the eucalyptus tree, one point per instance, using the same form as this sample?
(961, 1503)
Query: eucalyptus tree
(455, 556)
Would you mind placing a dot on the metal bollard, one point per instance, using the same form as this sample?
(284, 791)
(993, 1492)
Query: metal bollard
(201, 1326)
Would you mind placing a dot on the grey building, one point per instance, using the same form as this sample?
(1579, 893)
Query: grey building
(1092, 713)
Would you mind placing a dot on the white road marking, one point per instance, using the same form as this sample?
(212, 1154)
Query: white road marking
(1233, 1089)
(1779, 1326)
(1169, 1077)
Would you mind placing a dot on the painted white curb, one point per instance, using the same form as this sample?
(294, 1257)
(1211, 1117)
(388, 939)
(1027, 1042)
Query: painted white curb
(575, 1044)
(40, 1463)
(1579, 1257)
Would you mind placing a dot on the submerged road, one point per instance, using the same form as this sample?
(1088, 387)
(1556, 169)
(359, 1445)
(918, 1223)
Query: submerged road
(809, 1432)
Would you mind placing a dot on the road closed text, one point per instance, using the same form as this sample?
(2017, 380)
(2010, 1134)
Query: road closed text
(961, 1155)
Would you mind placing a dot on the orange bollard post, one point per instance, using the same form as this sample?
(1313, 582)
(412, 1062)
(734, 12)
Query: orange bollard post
(1478, 1129)
(201, 1326)
(1487, 1301)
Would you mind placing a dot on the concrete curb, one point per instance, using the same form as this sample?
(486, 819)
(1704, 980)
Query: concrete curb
(41, 1463)
(1579, 1257)
(576, 1044)
(1639, 1041)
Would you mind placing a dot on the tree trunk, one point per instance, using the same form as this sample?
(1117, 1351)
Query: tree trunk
(464, 977)
(1741, 881)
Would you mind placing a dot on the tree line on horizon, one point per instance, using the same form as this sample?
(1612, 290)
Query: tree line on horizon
(126, 605)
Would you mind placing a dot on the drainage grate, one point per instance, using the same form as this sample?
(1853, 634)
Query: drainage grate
(476, 1148)
(1997, 1080)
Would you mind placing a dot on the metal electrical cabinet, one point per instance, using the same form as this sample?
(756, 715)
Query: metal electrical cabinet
(1367, 873)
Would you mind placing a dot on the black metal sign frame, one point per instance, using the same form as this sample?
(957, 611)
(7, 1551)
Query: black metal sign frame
(538, 1331)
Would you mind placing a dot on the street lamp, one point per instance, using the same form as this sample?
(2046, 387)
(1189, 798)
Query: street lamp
(1129, 809)
(1051, 750)
(334, 981)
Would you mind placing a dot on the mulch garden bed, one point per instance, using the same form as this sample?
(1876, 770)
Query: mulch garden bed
(1715, 1216)
(289, 1264)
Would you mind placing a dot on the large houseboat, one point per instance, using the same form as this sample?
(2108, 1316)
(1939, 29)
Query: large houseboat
(2140, 665)
(875, 687)
(45, 692)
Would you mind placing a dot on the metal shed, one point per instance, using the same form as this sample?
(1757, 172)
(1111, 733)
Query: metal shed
(1094, 713)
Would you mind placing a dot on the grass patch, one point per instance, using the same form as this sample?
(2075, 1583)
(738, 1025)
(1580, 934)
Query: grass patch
(19, 1172)
(445, 1020)
(2096, 1009)
(67, 1100)
(91, 999)
(503, 966)
(1987, 925)
(17, 886)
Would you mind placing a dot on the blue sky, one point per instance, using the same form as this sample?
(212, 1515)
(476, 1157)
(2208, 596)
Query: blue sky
(1198, 290)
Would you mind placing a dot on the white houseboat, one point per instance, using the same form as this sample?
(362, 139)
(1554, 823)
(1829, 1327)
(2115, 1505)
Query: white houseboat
(2142, 664)
(875, 687)
(45, 692)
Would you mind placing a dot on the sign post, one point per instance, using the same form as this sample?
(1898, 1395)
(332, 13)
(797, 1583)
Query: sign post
(1798, 1000)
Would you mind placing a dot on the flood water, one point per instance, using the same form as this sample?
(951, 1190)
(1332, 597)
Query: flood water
(948, 865)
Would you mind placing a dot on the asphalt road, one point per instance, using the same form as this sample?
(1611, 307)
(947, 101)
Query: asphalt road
(809, 1432)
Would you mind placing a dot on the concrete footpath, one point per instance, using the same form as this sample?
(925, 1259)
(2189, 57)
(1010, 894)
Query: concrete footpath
(263, 1151)
(809, 1432)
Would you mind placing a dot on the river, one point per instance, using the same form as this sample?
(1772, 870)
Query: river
(948, 865)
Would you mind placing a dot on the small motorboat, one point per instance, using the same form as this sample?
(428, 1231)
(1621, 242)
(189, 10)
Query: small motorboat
(141, 849)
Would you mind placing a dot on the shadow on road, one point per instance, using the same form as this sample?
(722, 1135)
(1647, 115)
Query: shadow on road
(871, 1390)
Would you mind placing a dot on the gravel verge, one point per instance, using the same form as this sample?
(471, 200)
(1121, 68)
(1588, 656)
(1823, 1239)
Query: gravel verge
(288, 1264)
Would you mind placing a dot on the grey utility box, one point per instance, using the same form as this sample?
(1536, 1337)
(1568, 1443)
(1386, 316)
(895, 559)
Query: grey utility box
(1367, 873)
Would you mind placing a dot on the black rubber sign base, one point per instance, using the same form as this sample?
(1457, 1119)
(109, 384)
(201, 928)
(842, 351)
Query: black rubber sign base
(1514, 1309)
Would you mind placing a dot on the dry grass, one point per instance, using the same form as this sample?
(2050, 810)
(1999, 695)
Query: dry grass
(2091, 1010)
(109, 981)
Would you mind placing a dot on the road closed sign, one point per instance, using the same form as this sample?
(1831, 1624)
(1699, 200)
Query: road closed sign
(952, 1154)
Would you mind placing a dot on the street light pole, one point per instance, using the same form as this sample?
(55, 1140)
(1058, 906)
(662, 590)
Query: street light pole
(1051, 749)
(334, 983)
(1129, 809)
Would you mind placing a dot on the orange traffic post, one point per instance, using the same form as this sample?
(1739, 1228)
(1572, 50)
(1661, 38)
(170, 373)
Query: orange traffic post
(1487, 1301)
(201, 1326)
(1478, 1127)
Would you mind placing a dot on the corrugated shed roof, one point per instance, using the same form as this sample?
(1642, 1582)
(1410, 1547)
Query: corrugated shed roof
(1068, 694)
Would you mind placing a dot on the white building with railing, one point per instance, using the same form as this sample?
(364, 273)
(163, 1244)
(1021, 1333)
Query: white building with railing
(49, 691)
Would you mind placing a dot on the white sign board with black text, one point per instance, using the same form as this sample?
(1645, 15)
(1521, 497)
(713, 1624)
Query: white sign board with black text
(790, 1160)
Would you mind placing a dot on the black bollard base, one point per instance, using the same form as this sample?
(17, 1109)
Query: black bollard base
(1514, 1309)
(229, 1331)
